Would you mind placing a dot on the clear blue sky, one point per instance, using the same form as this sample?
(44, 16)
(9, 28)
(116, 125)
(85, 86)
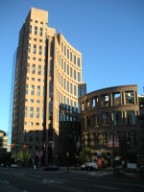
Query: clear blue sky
(108, 33)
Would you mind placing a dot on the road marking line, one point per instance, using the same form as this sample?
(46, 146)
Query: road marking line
(132, 185)
(66, 188)
(5, 181)
(52, 181)
(106, 187)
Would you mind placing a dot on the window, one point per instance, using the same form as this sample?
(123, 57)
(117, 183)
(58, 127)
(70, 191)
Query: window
(105, 100)
(64, 67)
(26, 89)
(33, 68)
(105, 118)
(25, 111)
(34, 49)
(32, 89)
(31, 112)
(67, 69)
(74, 59)
(71, 88)
(88, 104)
(67, 86)
(28, 68)
(75, 92)
(65, 50)
(41, 32)
(131, 118)
(78, 62)
(75, 107)
(116, 99)
(67, 53)
(39, 70)
(129, 96)
(64, 84)
(38, 90)
(79, 76)
(70, 56)
(94, 102)
(29, 48)
(75, 74)
(35, 30)
(40, 50)
(117, 118)
(37, 112)
(71, 71)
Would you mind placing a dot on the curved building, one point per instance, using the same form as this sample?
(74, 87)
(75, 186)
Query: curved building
(48, 84)
(109, 122)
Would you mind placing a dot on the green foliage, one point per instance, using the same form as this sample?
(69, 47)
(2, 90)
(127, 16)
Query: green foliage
(27, 155)
(141, 100)
(22, 156)
(85, 155)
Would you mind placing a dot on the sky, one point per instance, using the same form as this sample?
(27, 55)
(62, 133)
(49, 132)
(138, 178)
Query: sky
(108, 33)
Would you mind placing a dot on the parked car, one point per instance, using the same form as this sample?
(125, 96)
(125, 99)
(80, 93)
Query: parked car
(89, 166)
(51, 168)
(15, 166)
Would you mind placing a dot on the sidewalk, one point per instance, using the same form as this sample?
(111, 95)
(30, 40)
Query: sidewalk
(6, 187)
(103, 172)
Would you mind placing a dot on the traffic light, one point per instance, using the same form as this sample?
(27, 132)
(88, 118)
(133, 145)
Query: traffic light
(12, 145)
(25, 146)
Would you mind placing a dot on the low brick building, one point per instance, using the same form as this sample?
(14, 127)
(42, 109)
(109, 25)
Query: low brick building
(109, 122)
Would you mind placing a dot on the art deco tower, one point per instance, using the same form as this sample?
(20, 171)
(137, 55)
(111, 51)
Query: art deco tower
(48, 84)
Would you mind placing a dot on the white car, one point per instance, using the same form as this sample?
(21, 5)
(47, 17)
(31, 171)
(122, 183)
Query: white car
(89, 166)
(15, 166)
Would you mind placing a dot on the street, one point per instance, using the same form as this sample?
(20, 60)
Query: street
(30, 180)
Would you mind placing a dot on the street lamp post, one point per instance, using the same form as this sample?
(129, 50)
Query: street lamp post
(113, 146)
(67, 162)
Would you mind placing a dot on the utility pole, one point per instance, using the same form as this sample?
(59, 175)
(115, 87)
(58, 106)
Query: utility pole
(113, 145)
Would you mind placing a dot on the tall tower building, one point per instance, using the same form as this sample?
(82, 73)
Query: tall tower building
(48, 84)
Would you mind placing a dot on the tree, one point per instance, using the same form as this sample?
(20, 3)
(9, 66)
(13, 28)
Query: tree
(141, 100)
(86, 155)
(22, 157)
